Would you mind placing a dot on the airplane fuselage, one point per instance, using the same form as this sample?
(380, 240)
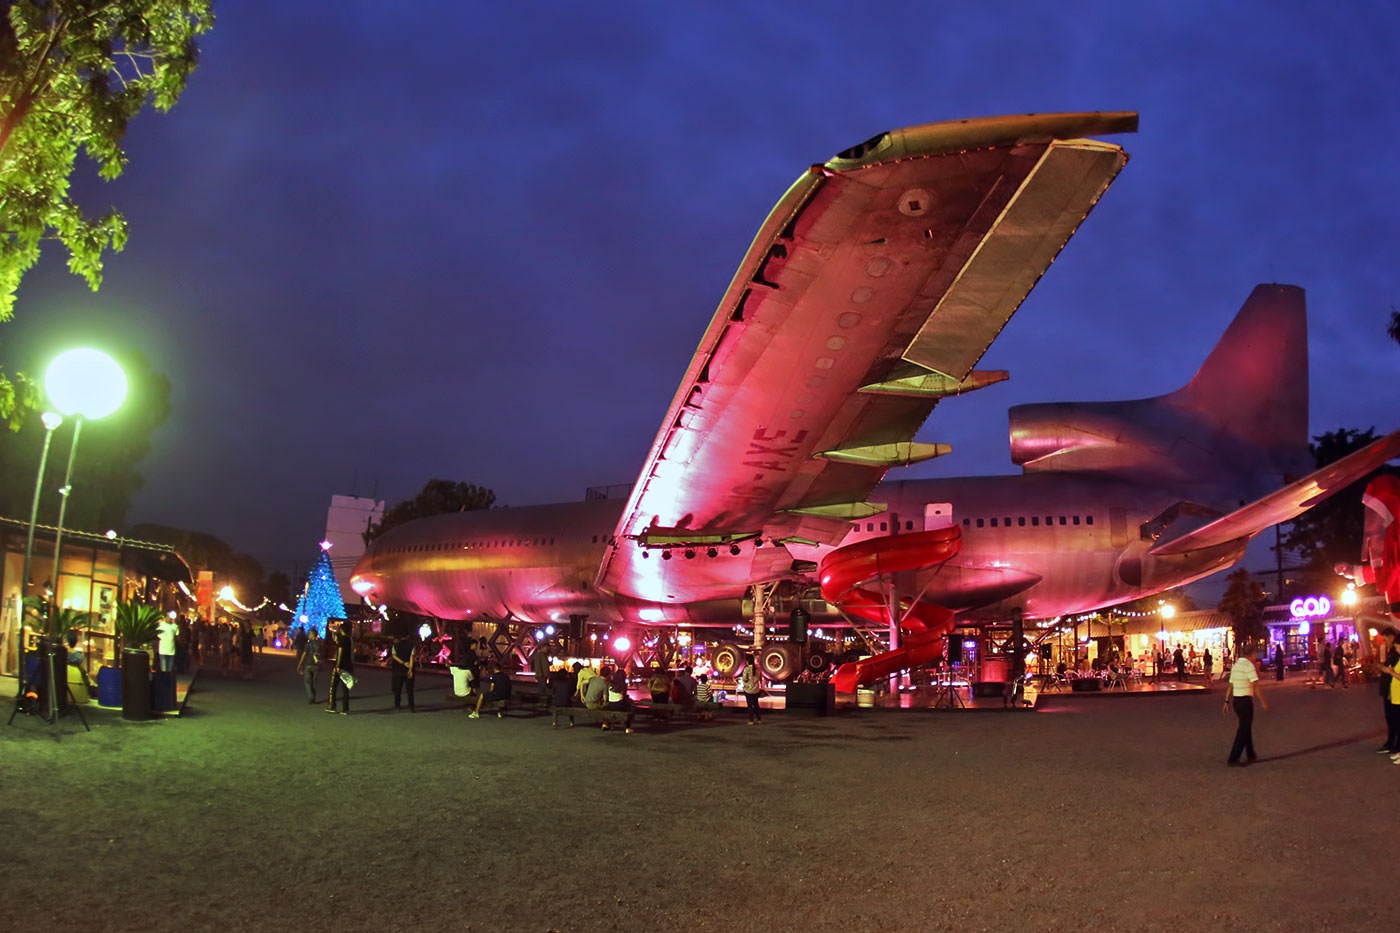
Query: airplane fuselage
(1041, 544)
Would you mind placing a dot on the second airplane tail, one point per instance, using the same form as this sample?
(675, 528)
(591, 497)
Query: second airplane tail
(1243, 415)
(1251, 394)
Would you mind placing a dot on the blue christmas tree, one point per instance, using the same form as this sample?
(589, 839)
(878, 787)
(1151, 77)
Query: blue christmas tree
(320, 596)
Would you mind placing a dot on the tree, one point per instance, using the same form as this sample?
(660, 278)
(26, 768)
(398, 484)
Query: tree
(206, 552)
(320, 597)
(277, 588)
(437, 497)
(73, 73)
(1394, 329)
(1330, 532)
(105, 474)
(1244, 601)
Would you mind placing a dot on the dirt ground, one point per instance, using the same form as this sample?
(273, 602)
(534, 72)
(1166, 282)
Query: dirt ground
(258, 811)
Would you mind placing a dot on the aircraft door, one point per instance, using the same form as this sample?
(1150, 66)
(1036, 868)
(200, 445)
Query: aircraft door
(1118, 527)
(938, 515)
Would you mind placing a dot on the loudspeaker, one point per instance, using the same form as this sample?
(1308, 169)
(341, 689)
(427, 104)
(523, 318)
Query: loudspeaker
(955, 648)
(797, 626)
(1047, 651)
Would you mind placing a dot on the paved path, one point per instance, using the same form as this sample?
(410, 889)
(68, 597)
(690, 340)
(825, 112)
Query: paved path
(255, 810)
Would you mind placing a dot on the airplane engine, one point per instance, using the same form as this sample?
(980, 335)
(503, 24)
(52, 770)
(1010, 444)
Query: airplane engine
(1069, 435)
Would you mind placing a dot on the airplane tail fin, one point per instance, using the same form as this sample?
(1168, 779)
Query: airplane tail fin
(1242, 420)
(1251, 393)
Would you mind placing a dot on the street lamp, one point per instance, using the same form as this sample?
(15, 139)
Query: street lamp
(80, 383)
(52, 420)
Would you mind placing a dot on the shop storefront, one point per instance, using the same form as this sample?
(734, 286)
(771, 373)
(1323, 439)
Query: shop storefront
(1302, 627)
(1137, 642)
(96, 572)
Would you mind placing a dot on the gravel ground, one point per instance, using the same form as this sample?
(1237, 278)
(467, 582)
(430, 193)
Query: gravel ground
(257, 811)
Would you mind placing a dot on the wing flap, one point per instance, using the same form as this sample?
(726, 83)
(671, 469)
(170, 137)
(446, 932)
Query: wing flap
(1032, 229)
(1286, 503)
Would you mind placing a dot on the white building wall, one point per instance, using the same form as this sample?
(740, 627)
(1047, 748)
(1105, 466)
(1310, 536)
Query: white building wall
(346, 521)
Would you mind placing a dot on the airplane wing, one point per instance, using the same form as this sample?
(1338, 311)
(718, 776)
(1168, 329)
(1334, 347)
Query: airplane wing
(1287, 503)
(870, 292)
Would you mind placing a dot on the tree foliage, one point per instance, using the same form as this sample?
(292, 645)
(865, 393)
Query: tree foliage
(1330, 532)
(437, 497)
(106, 476)
(1243, 601)
(206, 552)
(1394, 328)
(73, 73)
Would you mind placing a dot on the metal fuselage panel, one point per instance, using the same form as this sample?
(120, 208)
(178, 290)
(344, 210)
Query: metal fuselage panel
(1044, 545)
(535, 562)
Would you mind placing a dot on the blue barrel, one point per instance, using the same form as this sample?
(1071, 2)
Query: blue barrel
(109, 687)
(163, 691)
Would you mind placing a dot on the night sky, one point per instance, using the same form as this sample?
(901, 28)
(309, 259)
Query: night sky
(378, 243)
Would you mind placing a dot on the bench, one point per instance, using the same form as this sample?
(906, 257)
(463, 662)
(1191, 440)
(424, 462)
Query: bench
(608, 717)
(668, 711)
(499, 707)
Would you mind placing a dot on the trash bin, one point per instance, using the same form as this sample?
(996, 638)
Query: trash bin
(136, 684)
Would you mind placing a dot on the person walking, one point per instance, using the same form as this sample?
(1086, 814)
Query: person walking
(401, 668)
(750, 685)
(166, 633)
(1390, 660)
(308, 659)
(1241, 694)
(343, 663)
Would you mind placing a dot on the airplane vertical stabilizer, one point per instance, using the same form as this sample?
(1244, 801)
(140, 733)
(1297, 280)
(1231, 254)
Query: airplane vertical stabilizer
(1242, 421)
(1253, 388)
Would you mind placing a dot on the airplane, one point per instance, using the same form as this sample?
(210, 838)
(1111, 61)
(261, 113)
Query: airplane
(870, 293)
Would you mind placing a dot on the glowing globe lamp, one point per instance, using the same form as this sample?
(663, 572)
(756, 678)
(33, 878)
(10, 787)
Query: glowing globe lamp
(85, 382)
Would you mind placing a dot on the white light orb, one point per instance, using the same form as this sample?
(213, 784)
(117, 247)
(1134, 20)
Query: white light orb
(85, 382)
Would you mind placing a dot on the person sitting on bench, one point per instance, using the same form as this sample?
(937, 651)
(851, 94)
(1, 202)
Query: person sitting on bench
(595, 692)
(703, 695)
(497, 691)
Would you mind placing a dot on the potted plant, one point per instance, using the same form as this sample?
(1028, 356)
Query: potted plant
(136, 627)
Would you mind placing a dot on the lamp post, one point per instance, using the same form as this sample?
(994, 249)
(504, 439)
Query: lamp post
(51, 421)
(80, 383)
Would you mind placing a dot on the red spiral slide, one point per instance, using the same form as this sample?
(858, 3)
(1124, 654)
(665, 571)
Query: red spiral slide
(922, 625)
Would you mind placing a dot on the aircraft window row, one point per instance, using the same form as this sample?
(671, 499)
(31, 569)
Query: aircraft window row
(470, 545)
(885, 526)
(1021, 521)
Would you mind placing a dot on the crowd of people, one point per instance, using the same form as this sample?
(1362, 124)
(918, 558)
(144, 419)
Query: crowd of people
(228, 644)
(603, 686)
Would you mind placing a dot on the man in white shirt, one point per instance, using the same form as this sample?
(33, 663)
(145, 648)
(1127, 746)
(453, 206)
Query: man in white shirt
(1242, 692)
(165, 642)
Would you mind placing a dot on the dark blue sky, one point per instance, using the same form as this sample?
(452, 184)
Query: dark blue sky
(375, 244)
